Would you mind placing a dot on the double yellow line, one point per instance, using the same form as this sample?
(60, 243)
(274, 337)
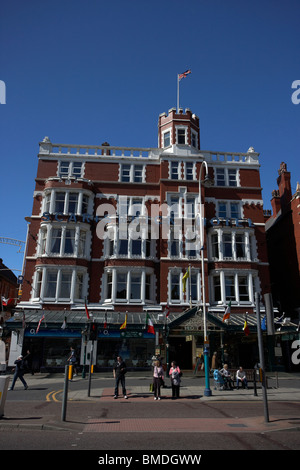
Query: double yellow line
(52, 395)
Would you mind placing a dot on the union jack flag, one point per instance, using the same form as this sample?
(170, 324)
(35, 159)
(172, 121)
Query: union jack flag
(184, 74)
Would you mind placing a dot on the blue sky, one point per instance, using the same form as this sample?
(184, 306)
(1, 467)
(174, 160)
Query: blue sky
(85, 72)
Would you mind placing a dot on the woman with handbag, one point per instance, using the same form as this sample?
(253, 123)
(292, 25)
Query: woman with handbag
(158, 377)
(175, 375)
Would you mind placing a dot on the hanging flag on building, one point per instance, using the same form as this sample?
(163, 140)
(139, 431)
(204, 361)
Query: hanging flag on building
(149, 325)
(226, 315)
(167, 311)
(86, 311)
(64, 325)
(246, 328)
(124, 325)
(39, 324)
(105, 321)
(7, 302)
(184, 74)
(263, 324)
(186, 275)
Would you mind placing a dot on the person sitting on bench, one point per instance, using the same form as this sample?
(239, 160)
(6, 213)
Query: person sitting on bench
(226, 376)
(241, 377)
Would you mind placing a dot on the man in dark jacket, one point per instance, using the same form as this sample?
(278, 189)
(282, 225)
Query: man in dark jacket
(119, 374)
(19, 371)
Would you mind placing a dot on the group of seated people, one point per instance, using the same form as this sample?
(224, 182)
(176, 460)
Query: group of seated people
(227, 378)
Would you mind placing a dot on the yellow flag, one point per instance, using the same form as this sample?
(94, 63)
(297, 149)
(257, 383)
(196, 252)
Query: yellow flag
(186, 275)
(124, 325)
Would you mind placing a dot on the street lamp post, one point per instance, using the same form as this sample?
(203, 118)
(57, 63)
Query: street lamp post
(207, 182)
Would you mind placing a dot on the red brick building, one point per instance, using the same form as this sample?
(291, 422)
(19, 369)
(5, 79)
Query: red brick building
(117, 228)
(8, 291)
(283, 241)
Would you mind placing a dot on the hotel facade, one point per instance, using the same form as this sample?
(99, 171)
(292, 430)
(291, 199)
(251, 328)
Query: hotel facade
(113, 232)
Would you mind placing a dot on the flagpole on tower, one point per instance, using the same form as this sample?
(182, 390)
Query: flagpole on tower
(178, 80)
(179, 77)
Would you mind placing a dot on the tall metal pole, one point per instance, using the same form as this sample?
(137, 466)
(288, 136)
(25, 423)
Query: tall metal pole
(207, 390)
(65, 395)
(90, 369)
(261, 357)
(177, 93)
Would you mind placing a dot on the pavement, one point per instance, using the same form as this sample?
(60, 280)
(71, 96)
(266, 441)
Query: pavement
(47, 414)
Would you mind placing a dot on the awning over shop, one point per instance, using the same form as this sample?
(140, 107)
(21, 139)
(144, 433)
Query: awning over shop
(137, 320)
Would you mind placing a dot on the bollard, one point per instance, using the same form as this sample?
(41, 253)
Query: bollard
(70, 373)
(4, 381)
(65, 396)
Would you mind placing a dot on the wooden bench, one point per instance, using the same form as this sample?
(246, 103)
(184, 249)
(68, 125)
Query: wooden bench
(252, 375)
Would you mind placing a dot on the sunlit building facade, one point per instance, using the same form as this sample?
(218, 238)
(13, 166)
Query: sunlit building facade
(116, 230)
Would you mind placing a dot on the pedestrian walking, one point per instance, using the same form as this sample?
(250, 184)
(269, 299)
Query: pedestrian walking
(158, 377)
(19, 371)
(119, 372)
(175, 375)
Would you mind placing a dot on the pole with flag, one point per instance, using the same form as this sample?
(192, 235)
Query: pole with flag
(86, 310)
(226, 315)
(39, 324)
(185, 277)
(246, 327)
(124, 325)
(180, 76)
(149, 325)
(167, 311)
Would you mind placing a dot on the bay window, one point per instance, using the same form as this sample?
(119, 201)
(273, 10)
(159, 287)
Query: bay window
(67, 202)
(59, 284)
(63, 240)
(234, 286)
(233, 245)
(128, 285)
(193, 286)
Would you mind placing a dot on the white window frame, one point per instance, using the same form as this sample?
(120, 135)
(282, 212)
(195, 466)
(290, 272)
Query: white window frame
(41, 277)
(132, 168)
(45, 238)
(184, 297)
(70, 173)
(227, 204)
(193, 174)
(227, 178)
(194, 137)
(184, 129)
(49, 199)
(221, 275)
(128, 272)
(250, 253)
(164, 137)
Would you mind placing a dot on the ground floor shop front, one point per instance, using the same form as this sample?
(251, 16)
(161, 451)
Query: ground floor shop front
(50, 353)
(181, 340)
